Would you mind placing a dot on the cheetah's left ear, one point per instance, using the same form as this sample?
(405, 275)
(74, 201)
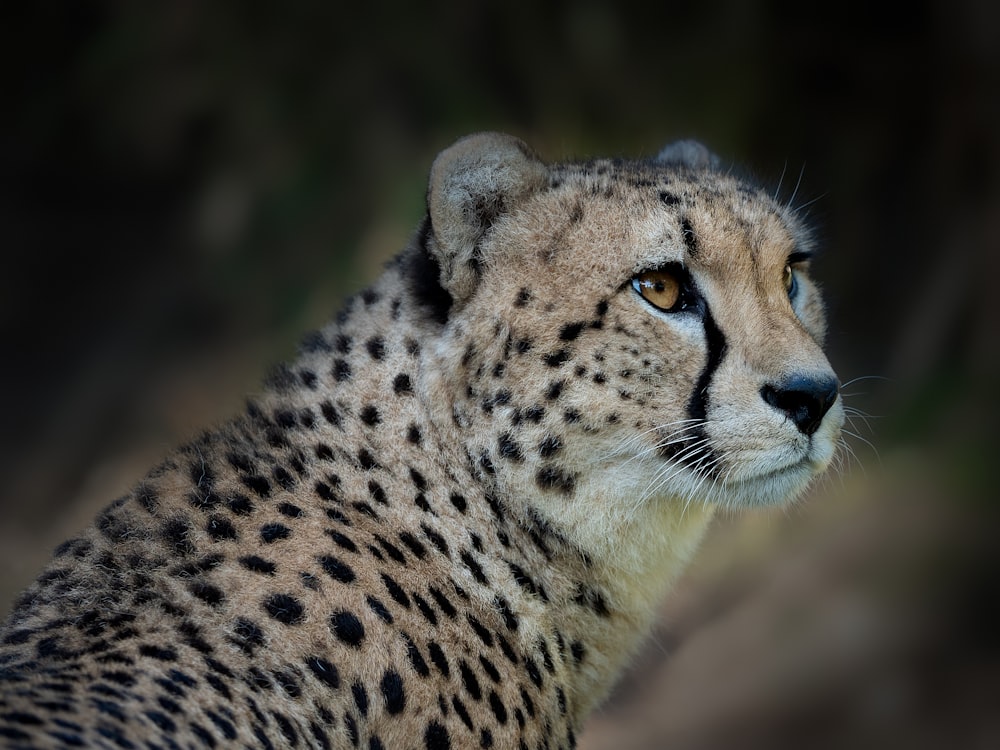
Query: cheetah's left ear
(473, 183)
(690, 154)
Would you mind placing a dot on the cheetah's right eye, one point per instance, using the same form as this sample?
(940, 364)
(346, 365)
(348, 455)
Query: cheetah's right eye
(660, 288)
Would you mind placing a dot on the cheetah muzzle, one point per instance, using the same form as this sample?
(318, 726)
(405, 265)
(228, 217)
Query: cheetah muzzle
(450, 521)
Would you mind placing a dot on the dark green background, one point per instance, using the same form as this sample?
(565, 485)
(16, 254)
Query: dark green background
(186, 187)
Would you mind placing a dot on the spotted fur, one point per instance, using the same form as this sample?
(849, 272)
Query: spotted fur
(449, 522)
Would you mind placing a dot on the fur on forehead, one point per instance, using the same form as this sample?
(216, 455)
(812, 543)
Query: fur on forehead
(478, 183)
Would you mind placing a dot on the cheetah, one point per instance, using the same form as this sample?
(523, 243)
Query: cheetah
(450, 521)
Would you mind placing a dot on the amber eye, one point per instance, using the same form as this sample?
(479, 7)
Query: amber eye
(660, 288)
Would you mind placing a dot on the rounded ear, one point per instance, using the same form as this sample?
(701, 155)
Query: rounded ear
(690, 154)
(472, 184)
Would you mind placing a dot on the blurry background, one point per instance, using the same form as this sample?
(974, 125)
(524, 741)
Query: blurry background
(186, 188)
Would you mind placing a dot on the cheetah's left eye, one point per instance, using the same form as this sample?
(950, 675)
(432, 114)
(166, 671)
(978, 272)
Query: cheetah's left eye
(667, 288)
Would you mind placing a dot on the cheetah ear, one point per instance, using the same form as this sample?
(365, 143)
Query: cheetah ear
(473, 183)
(689, 154)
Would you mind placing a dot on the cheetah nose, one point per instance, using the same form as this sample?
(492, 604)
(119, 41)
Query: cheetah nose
(804, 399)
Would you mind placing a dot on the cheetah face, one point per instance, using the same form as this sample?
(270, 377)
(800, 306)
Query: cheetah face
(635, 333)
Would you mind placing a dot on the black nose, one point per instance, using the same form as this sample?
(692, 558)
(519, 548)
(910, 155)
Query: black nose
(804, 399)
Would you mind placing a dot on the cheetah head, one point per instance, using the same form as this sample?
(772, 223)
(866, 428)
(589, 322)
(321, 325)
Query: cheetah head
(626, 336)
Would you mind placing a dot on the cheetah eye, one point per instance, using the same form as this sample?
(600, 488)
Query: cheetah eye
(788, 279)
(789, 276)
(663, 288)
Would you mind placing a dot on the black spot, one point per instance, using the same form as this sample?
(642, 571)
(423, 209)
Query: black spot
(324, 452)
(391, 549)
(413, 544)
(578, 650)
(509, 449)
(529, 705)
(402, 384)
(163, 722)
(462, 712)
(273, 532)
(396, 591)
(413, 435)
(572, 416)
(509, 618)
(481, 631)
(341, 370)
(330, 413)
(592, 600)
(534, 414)
(533, 673)
(570, 331)
(416, 658)
(369, 296)
(392, 692)
(324, 491)
(473, 565)
(257, 484)
(337, 570)
(220, 529)
(469, 680)
(436, 737)
(360, 696)
(435, 538)
(289, 510)
(498, 708)
(207, 593)
(443, 602)
(248, 636)
(438, 658)
(549, 446)
(348, 628)
(487, 464)
(283, 478)
(367, 461)
(376, 347)
(490, 668)
(284, 608)
(554, 478)
(379, 609)
(377, 492)
(522, 346)
(341, 541)
(156, 652)
(556, 358)
(458, 501)
(522, 297)
(370, 416)
(176, 533)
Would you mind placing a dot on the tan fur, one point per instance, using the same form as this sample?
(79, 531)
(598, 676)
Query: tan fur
(450, 522)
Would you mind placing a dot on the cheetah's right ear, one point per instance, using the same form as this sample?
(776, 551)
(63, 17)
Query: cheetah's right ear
(473, 183)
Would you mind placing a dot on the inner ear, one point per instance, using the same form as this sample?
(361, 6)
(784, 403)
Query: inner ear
(473, 183)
